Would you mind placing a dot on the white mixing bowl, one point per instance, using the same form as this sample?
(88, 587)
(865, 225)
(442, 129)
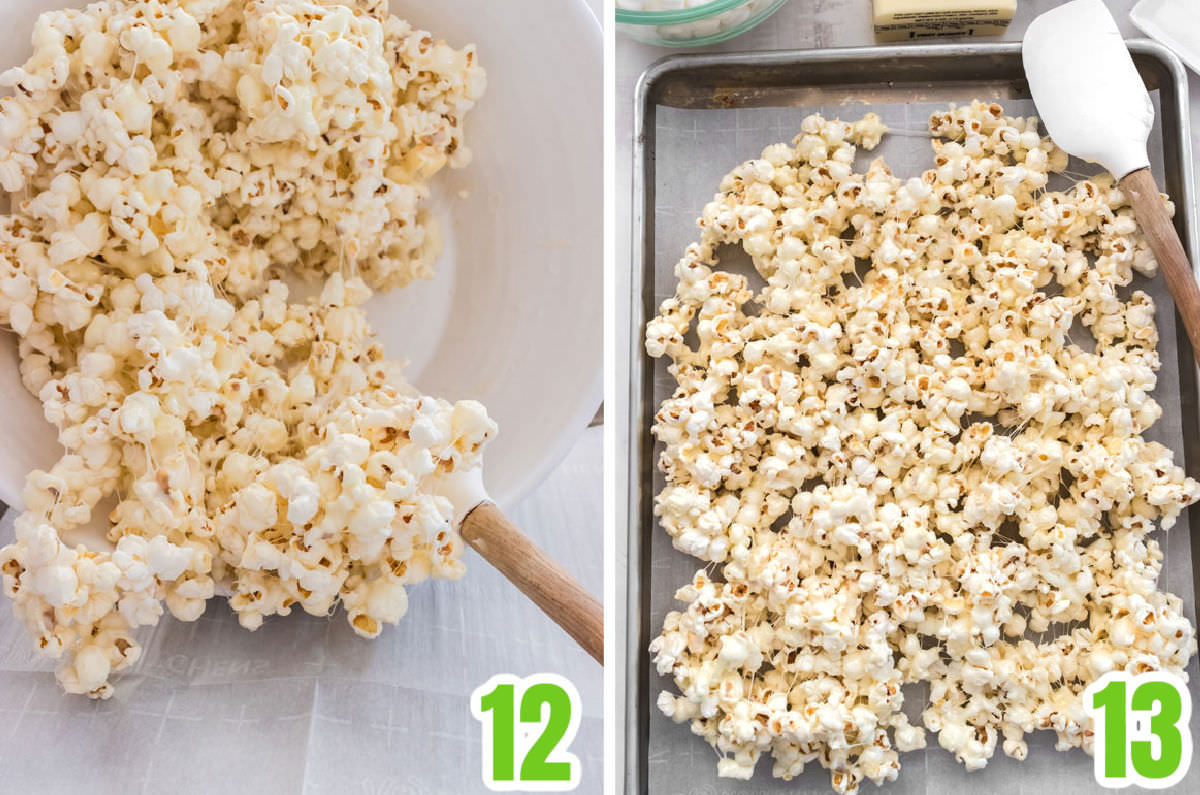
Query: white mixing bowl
(514, 317)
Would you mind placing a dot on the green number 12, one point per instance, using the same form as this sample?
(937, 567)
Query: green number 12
(549, 718)
(1163, 701)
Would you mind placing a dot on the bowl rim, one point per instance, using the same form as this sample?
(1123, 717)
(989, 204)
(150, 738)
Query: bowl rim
(630, 17)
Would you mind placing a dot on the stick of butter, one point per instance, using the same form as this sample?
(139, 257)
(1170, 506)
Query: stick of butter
(900, 20)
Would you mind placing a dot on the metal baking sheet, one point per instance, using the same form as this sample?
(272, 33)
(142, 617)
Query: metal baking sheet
(698, 116)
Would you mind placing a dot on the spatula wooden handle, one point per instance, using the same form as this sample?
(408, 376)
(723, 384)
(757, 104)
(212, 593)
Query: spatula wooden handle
(1168, 249)
(492, 535)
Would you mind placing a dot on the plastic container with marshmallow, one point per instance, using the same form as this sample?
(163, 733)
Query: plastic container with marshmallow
(691, 23)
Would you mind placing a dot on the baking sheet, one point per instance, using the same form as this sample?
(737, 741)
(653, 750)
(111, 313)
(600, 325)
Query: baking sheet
(303, 705)
(693, 148)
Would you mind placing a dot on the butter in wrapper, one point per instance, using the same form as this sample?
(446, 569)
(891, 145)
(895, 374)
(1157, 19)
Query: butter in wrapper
(903, 20)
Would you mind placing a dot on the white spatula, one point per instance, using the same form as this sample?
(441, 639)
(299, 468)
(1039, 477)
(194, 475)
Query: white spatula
(1095, 105)
(490, 533)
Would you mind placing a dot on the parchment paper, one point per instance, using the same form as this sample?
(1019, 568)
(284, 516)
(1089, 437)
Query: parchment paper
(694, 149)
(303, 705)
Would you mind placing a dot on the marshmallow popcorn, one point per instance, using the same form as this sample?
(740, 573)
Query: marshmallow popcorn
(168, 161)
(914, 451)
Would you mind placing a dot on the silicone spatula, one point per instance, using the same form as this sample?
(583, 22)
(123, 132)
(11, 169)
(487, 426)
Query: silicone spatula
(1095, 106)
(490, 533)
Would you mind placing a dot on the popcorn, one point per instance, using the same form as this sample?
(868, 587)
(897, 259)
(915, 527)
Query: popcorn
(170, 161)
(903, 472)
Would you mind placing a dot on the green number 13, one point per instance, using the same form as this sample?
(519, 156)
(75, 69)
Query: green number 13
(548, 719)
(1159, 754)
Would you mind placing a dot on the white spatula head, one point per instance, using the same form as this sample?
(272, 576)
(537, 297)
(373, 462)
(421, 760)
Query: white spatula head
(1086, 88)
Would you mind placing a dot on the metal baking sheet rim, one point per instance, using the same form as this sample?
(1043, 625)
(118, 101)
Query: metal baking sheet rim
(1176, 144)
